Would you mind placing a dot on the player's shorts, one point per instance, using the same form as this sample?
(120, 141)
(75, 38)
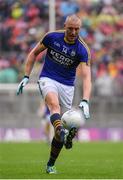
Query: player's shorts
(64, 92)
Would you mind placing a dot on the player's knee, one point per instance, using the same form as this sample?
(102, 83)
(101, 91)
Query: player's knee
(54, 108)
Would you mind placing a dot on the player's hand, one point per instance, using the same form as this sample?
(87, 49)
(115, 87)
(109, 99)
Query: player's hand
(84, 106)
(21, 85)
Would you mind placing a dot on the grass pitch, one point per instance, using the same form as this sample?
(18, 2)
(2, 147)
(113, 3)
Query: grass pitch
(95, 160)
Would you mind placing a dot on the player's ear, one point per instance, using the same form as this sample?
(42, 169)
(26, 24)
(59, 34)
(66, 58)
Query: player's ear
(64, 25)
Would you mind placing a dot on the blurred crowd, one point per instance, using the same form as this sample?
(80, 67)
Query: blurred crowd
(24, 22)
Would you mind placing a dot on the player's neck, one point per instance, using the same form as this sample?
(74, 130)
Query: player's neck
(67, 41)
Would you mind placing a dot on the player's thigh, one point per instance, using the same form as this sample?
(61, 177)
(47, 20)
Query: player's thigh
(47, 85)
(49, 92)
(52, 102)
(66, 97)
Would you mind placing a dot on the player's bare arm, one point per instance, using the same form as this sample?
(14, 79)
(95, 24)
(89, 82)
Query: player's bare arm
(32, 56)
(29, 65)
(86, 78)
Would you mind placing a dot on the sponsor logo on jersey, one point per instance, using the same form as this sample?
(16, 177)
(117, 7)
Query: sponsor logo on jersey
(60, 58)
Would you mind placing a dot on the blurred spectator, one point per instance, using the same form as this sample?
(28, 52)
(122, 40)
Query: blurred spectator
(103, 85)
(7, 74)
(67, 8)
(16, 10)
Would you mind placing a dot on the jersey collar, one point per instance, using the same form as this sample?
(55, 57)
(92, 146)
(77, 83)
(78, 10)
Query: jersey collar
(69, 41)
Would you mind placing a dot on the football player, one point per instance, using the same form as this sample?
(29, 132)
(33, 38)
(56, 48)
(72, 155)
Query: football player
(65, 51)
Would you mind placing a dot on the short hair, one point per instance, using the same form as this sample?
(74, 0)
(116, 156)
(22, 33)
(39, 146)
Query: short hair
(73, 18)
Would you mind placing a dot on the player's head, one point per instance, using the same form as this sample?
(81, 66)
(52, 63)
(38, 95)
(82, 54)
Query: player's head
(72, 27)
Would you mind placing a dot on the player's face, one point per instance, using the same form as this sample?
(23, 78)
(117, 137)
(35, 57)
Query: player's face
(72, 31)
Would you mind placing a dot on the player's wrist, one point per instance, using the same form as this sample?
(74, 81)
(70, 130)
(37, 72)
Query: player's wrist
(85, 100)
(25, 76)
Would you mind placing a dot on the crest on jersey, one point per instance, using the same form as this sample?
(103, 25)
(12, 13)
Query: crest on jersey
(73, 53)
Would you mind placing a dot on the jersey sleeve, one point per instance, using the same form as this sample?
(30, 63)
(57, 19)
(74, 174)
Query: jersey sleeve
(85, 56)
(46, 40)
(84, 53)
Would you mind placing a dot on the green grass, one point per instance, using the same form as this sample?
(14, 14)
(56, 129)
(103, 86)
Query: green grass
(95, 160)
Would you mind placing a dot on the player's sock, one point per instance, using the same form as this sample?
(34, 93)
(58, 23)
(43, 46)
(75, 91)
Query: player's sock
(58, 127)
(56, 147)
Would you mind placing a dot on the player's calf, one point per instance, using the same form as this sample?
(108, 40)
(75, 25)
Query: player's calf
(58, 127)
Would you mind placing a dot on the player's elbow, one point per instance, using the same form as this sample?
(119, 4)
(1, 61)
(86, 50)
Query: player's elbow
(32, 55)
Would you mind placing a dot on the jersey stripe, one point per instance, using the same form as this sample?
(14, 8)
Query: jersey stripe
(86, 46)
(59, 31)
